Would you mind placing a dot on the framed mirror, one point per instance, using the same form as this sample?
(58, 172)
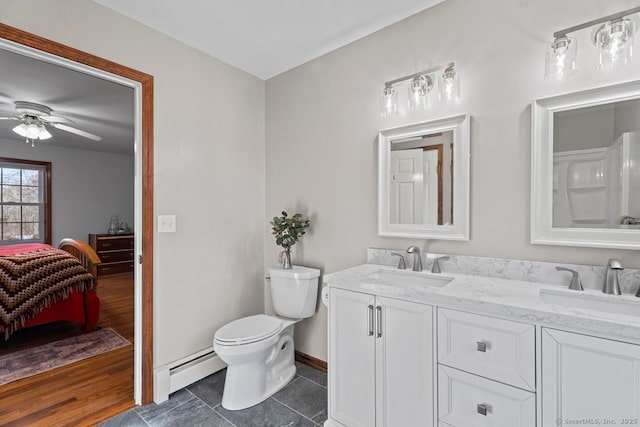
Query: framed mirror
(585, 168)
(423, 180)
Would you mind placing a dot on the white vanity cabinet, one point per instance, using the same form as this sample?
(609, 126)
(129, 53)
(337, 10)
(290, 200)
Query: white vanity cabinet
(486, 371)
(589, 378)
(380, 361)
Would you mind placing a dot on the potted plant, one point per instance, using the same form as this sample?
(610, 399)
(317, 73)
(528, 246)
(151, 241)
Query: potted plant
(288, 230)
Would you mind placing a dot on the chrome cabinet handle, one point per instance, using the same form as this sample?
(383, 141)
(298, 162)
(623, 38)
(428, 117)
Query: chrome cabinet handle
(379, 318)
(481, 346)
(482, 409)
(370, 308)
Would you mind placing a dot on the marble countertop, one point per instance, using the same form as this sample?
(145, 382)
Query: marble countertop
(511, 299)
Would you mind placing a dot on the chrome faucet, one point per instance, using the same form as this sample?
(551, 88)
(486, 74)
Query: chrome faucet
(436, 264)
(417, 260)
(611, 283)
(576, 283)
(401, 263)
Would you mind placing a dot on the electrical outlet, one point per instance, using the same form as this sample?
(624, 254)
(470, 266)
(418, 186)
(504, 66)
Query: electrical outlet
(166, 223)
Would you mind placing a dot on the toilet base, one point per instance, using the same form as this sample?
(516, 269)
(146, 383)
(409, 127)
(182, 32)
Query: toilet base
(247, 384)
(234, 401)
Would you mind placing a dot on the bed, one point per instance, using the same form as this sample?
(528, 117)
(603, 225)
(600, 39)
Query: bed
(41, 284)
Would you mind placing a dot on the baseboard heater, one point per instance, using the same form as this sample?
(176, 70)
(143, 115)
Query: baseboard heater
(179, 374)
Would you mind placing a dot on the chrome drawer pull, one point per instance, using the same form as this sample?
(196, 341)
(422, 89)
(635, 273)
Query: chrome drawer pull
(379, 316)
(481, 346)
(482, 409)
(370, 308)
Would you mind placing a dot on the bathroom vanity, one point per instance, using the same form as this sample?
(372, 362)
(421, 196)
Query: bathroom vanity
(414, 349)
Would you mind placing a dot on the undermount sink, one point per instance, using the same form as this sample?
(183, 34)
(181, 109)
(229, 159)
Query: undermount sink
(627, 305)
(396, 280)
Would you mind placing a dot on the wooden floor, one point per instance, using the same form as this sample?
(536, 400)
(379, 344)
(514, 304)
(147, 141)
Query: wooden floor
(84, 393)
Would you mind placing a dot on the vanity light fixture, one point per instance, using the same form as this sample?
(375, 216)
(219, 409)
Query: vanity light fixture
(389, 101)
(420, 85)
(614, 40)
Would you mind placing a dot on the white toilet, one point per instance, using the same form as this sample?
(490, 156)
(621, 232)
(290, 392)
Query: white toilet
(258, 350)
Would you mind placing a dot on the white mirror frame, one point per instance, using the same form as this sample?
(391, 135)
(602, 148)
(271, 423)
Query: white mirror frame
(459, 230)
(542, 230)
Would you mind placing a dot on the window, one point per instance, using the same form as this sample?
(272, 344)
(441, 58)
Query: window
(25, 206)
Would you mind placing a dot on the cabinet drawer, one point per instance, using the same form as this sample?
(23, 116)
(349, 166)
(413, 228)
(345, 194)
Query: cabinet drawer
(114, 244)
(120, 267)
(498, 349)
(115, 256)
(468, 400)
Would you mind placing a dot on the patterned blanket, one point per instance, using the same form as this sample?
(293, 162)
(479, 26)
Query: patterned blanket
(31, 281)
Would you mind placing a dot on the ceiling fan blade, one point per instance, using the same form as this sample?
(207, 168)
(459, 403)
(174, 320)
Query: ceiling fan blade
(9, 118)
(76, 131)
(55, 119)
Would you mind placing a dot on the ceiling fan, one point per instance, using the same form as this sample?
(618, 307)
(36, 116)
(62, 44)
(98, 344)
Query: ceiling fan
(36, 117)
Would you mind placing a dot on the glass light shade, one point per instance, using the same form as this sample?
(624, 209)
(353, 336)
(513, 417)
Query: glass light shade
(21, 130)
(418, 89)
(560, 58)
(33, 131)
(389, 102)
(615, 43)
(44, 133)
(449, 86)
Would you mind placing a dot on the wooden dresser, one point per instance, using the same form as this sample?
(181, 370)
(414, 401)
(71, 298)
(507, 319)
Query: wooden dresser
(115, 252)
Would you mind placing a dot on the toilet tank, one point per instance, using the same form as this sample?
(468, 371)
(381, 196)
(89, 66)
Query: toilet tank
(294, 291)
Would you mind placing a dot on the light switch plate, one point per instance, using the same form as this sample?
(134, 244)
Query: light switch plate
(166, 223)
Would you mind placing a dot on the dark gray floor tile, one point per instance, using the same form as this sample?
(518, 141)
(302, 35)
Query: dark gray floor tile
(126, 419)
(311, 374)
(193, 413)
(305, 397)
(152, 411)
(210, 389)
(269, 413)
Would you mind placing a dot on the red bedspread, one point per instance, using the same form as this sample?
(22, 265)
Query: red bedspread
(34, 277)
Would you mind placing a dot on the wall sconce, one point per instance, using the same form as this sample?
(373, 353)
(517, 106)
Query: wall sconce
(420, 85)
(614, 40)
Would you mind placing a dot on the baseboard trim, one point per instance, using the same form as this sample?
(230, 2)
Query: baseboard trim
(305, 359)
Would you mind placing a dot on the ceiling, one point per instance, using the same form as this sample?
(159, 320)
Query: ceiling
(266, 38)
(95, 105)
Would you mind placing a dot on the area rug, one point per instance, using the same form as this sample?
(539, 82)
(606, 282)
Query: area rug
(25, 363)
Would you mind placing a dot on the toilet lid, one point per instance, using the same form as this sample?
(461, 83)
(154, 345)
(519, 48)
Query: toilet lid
(248, 329)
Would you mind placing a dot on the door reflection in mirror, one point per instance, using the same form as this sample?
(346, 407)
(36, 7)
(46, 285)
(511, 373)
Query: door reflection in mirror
(421, 180)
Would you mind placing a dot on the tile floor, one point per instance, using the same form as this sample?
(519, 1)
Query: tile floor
(303, 402)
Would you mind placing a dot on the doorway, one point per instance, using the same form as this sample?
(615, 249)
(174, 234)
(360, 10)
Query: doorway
(32, 45)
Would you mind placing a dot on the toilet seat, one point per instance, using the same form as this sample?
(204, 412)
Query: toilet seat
(248, 330)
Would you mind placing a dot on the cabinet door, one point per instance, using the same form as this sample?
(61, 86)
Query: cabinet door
(588, 378)
(351, 358)
(404, 364)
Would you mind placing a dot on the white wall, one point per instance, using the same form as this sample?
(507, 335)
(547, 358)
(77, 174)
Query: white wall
(323, 118)
(87, 187)
(627, 118)
(210, 271)
(587, 128)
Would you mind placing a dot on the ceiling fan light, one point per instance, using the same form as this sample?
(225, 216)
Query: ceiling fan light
(32, 131)
(21, 130)
(44, 133)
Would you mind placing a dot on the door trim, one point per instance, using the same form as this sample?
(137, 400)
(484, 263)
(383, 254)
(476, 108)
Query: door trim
(146, 137)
